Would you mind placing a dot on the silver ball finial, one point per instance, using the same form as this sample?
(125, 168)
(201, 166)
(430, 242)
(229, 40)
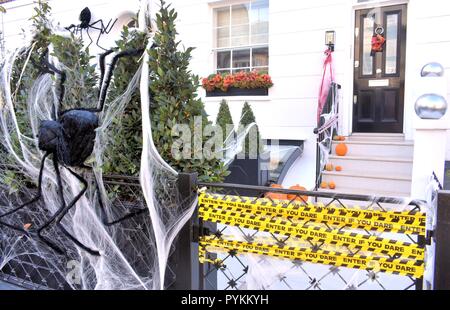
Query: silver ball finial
(431, 106)
(432, 69)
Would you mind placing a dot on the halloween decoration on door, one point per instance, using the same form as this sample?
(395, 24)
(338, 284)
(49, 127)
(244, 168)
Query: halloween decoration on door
(85, 24)
(69, 138)
(378, 41)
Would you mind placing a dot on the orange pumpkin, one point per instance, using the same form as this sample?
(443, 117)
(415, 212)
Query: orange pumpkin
(299, 198)
(341, 149)
(341, 138)
(331, 185)
(336, 138)
(323, 185)
(338, 168)
(329, 167)
(279, 196)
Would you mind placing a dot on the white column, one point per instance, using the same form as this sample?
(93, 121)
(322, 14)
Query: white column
(430, 134)
(429, 154)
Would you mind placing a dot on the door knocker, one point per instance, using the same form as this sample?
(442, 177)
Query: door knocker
(378, 41)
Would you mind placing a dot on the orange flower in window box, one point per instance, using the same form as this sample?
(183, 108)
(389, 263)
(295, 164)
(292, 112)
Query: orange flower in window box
(224, 84)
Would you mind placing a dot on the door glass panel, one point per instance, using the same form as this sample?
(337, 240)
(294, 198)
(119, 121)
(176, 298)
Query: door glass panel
(367, 60)
(391, 43)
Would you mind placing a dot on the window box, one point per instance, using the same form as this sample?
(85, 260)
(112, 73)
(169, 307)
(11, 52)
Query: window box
(234, 91)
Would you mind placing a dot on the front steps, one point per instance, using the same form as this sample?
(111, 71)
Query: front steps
(375, 165)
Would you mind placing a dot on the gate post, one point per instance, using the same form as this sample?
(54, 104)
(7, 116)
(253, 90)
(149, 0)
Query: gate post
(442, 240)
(185, 256)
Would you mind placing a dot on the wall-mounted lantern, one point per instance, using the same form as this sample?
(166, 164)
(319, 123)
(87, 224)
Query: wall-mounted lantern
(330, 39)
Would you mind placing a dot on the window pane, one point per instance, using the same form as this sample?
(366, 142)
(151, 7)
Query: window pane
(223, 37)
(367, 46)
(260, 57)
(223, 71)
(223, 17)
(239, 35)
(223, 59)
(260, 22)
(260, 11)
(241, 58)
(239, 14)
(391, 43)
(241, 70)
(261, 69)
(260, 39)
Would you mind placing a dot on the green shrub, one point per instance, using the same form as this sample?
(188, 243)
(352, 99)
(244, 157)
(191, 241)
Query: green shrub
(224, 119)
(123, 154)
(247, 118)
(175, 99)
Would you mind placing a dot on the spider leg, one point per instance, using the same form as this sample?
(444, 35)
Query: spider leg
(62, 211)
(101, 28)
(35, 199)
(71, 27)
(67, 209)
(98, 39)
(104, 88)
(105, 28)
(104, 216)
(46, 67)
(54, 216)
(102, 68)
(89, 36)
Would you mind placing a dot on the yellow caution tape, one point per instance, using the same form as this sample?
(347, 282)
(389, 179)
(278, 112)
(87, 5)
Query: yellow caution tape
(413, 268)
(389, 221)
(295, 242)
(332, 236)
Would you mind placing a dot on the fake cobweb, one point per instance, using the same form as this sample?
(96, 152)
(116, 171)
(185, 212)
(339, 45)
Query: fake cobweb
(135, 252)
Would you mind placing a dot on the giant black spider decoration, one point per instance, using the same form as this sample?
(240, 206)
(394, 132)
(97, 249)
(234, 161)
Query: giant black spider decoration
(69, 138)
(85, 24)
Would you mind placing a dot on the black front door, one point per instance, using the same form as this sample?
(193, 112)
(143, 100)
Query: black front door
(379, 78)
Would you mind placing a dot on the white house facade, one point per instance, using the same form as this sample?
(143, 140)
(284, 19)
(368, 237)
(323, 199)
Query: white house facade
(286, 38)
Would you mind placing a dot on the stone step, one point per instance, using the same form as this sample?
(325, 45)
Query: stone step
(369, 183)
(371, 164)
(403, 149)
(376, 137)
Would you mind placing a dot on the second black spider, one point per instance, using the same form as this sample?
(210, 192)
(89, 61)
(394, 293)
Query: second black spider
(86, 23)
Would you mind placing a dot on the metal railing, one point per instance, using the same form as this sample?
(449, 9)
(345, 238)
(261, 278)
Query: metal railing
(324, 131)
(230, 270)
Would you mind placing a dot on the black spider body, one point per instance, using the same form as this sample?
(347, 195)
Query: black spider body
(71, 138)
(85, 18)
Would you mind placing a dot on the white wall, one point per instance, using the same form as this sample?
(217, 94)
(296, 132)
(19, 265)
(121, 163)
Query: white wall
(296, 43)
(296, 46)
(428, 40)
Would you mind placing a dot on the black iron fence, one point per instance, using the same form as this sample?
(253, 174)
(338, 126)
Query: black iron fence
(229, 268)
